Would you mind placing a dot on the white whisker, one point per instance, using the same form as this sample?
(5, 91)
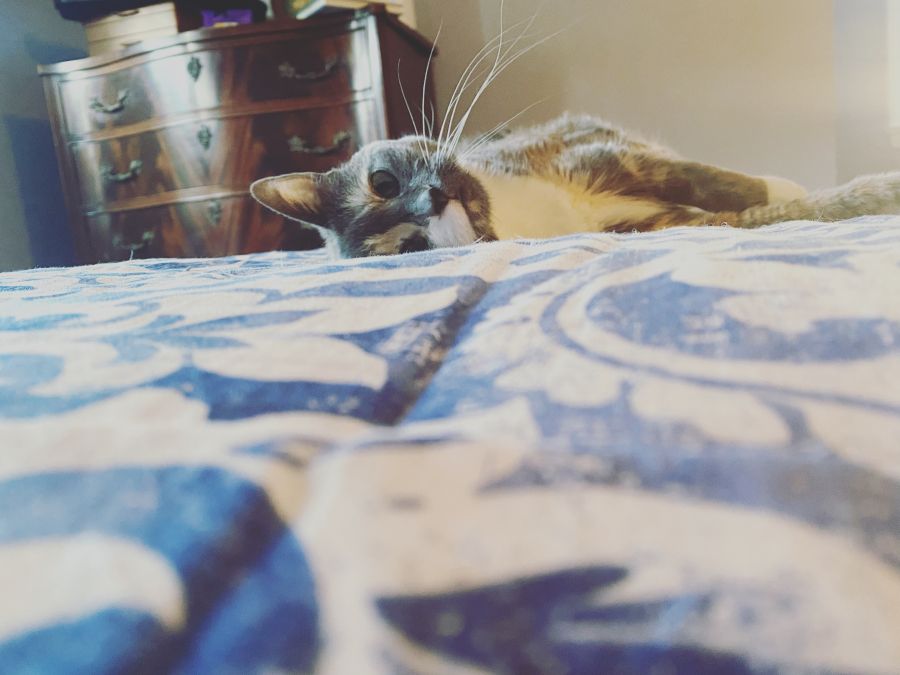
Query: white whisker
(503, 61)
(457, 134)
(486, 137)
(479, 72)
(425, 82)
(451, 129)
(470, 80)
(464, 80)
(456, 90)
(453, 135)
(462, 123)
(429, 123)
(411, 116)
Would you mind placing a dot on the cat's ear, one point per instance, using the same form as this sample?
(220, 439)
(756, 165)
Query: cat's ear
(293, 195)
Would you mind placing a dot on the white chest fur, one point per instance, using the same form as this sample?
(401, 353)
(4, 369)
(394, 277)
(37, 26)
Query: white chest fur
(533, 207)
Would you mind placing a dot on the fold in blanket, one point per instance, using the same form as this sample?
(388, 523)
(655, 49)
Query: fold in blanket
(673, 452)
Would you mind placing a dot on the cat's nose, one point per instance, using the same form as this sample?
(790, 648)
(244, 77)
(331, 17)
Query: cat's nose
(439, 200)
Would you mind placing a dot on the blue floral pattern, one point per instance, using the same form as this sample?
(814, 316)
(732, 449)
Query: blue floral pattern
(669, 452)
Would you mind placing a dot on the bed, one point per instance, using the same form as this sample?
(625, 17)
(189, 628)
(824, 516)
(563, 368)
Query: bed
(675, 452)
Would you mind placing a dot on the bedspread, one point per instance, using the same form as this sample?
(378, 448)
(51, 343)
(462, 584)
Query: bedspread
(676, 452)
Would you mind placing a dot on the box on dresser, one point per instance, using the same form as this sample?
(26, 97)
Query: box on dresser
(125, 29)
(158, 143)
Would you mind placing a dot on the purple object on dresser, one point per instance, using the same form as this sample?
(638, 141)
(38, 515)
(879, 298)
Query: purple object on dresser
(212, 17)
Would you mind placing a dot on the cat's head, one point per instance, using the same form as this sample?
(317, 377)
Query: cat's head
(390, 197)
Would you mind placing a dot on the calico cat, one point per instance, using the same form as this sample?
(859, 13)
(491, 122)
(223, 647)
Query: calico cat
(573, 174)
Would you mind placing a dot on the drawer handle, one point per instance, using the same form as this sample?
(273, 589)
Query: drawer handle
(134, 170)
(288, 71)
(119, 242)
(341, 138)
(194, 67)
(204, 137)
(214, 211)
(110, 108)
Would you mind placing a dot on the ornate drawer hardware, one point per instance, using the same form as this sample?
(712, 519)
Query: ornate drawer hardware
(204, 136)
(118, 241)
(134, 170)
(110, 108)
(288, 71)
(214, 211)
(339, 141)
(194, 67)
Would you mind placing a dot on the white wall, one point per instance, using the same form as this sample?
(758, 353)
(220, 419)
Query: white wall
(745, 84)
(861, 49)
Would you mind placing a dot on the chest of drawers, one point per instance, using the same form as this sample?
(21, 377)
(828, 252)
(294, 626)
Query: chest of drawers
(158, 144)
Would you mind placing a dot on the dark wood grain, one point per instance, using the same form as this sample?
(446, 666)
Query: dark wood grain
(214, 227)
(225, 77)
(230, 152)
(158, 144)
(256, 33)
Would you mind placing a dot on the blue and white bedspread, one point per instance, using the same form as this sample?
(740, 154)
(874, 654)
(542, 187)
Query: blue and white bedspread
(676, 452)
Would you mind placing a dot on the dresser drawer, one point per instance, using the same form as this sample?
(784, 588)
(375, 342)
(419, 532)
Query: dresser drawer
(210, 227)
(178, 81)
(229, 152)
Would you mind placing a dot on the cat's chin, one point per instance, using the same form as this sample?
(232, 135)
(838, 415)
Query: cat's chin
(452, 227)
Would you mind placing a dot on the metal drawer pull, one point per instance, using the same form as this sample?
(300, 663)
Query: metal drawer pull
(194, 67)
(214, 210)
(288, 71)
(118, 241)
(341, 138)
(110, 108)
(134, 170)
(204, 136)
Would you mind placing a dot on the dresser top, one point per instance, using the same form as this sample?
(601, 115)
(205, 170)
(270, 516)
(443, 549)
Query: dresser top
(266, 30)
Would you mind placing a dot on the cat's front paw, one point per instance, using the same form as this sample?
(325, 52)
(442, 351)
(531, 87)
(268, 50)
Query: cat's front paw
(783, 190)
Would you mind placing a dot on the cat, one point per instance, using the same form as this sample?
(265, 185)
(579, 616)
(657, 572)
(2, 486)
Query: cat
(572, 174)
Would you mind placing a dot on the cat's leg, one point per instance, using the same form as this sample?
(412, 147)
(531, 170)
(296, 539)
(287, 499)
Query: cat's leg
(635, 171)
(782, 190)
(708, 187)
(674, 215)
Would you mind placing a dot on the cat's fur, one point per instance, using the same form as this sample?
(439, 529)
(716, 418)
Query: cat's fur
(576, 173)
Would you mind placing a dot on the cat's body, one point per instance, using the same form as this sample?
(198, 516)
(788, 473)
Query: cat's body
(573, 174)
(577, 173)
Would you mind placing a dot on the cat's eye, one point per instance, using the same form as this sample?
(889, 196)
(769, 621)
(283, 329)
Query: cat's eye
(385, 184)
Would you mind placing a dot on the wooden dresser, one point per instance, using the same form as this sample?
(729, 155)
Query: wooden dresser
(158, 144)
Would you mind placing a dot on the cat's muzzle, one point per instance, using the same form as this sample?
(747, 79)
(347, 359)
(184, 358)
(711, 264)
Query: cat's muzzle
(439, 200)
(432, 201)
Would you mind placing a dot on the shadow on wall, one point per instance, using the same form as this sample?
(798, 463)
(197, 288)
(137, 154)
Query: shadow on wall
(40, 191)
(34, 159)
